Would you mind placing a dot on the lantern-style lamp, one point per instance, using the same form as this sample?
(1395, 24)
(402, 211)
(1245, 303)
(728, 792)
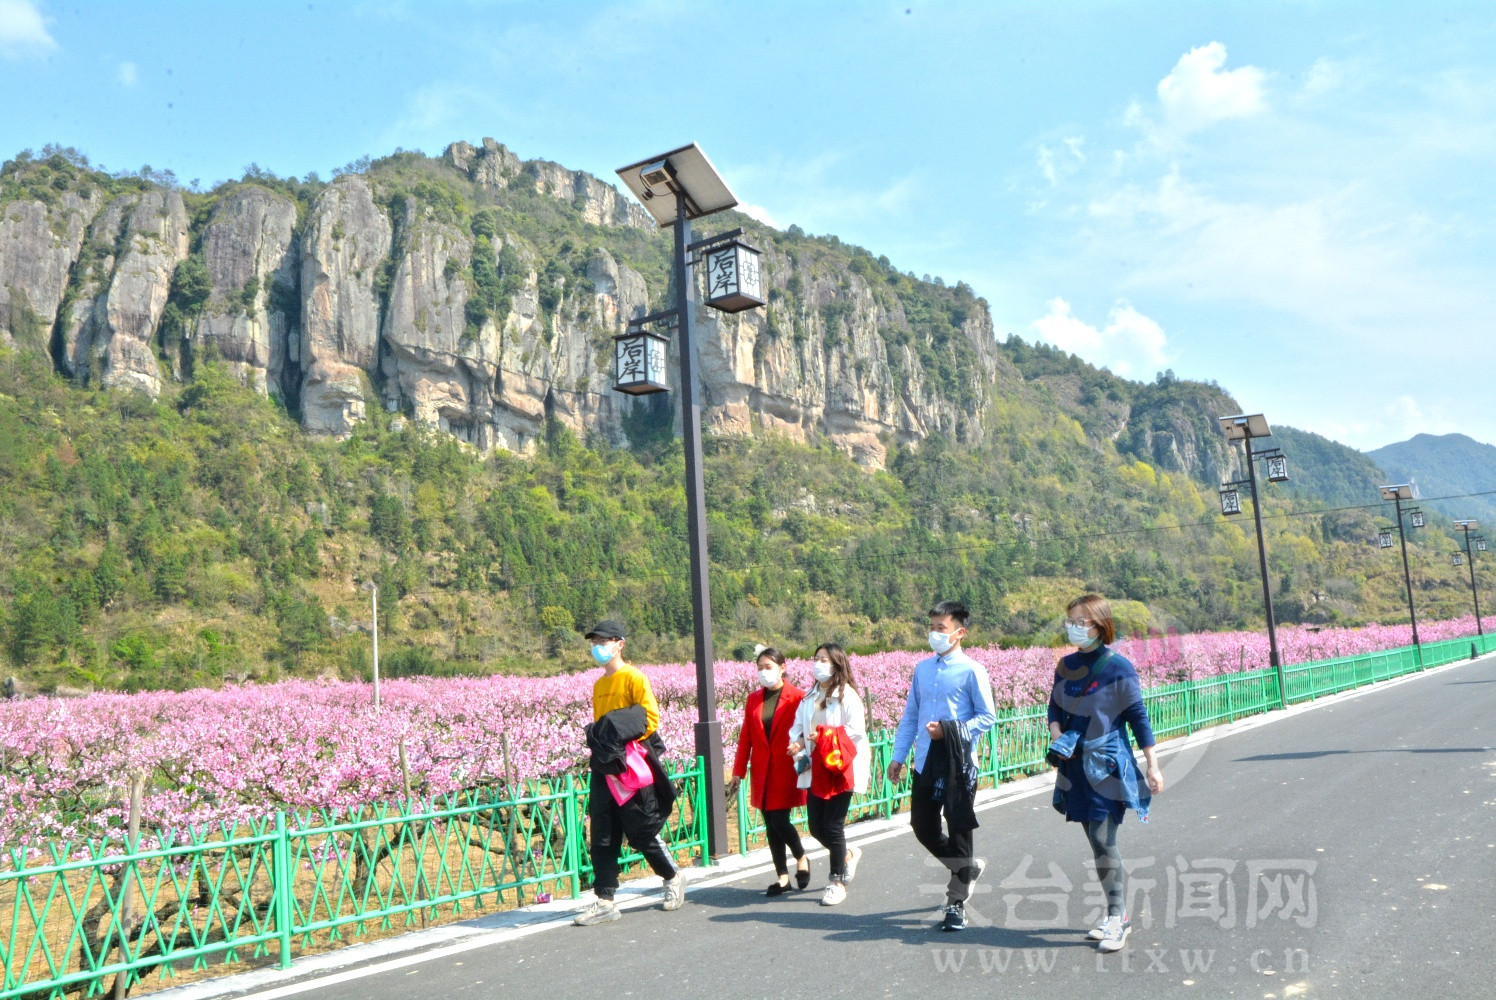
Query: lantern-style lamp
(1458, 559)
(1384, 539)
(1480, 545)
(1230, 500)
(639, 361)
(1277, 469)
(1417, 517)
(734, 280)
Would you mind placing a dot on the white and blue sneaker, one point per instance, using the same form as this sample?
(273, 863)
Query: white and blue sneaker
(1114, 931)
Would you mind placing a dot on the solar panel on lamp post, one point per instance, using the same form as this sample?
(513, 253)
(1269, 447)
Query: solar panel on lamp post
(675, 188)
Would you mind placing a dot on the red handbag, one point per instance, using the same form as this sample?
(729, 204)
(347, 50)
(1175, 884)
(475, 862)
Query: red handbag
(831, 762)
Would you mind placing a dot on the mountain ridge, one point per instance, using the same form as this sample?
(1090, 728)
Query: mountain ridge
(1446, 465)
(223, 412)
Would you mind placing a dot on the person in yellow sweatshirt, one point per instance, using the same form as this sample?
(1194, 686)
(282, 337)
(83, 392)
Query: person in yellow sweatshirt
(624, 712)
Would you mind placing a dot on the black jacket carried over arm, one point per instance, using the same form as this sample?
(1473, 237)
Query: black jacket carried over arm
(608, 736)
(643, 815)
(960, 778)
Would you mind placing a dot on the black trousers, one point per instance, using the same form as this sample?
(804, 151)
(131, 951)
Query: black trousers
(782, 836)
(827, 819)
(954, 849)
(608, 832)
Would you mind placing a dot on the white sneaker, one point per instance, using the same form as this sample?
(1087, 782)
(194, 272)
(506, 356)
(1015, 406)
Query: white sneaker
(834, 894)
(854, 855)
(600, 912)
(675, 891)
(1114, 934)
(1098, 932)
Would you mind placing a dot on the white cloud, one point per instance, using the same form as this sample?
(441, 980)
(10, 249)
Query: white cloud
(23, 30)
(1334, 259)
(129, 74)
(1131, 344)
(1056, 164)
(1323, 77)
(814, 192)
(1198, 91)
(1406, 417)
(435, 112)
(760, 213)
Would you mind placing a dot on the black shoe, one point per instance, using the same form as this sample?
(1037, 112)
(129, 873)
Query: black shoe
(955, 917)
(776, 890)
(802, 879)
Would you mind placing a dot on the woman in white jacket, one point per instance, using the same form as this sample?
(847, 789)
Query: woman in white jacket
(832, 702)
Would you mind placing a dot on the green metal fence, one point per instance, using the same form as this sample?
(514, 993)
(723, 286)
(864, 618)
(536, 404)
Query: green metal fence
(1017, 742)
(270, 888)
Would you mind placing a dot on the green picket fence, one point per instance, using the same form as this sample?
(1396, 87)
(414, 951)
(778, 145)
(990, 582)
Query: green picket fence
(267, 889)
(270, 888)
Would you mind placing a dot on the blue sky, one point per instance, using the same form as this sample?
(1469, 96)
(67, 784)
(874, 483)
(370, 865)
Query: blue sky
(1293, 199)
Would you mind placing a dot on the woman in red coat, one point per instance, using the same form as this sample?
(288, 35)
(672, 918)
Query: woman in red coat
(765, 741)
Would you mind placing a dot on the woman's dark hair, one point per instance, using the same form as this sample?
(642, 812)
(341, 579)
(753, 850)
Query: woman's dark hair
(955, 609)
(841, 671)
(1095, 609)
(771, 653)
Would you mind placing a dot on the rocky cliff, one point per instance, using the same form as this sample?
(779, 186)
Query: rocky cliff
(345, 243)
(250, 319)
(477, 293)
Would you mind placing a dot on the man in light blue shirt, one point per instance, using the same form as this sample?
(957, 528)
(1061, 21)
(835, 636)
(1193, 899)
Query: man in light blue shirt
(947, 687)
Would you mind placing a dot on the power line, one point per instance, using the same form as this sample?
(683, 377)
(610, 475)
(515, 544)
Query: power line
(531, 588)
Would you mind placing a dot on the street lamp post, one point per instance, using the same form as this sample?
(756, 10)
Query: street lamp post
(676, 187)
(1467, 527)
(1397, 494)
(1244, 428)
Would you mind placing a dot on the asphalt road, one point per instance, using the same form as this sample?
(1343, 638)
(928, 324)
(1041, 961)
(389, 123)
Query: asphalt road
(1347, 851)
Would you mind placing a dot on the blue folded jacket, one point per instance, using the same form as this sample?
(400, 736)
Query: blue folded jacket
(1062, 749)
(1109, 768)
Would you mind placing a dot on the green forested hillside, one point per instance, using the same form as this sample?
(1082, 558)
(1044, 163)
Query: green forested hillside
(204, 536)
(184, 542)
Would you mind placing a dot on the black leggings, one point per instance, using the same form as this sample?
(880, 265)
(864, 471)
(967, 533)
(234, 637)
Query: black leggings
(635, 821)
(828, 824)
(1109, 870)
(782, 835)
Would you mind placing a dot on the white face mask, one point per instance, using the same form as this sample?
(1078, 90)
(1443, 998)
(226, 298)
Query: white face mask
(821, 671)
(941, 643)
(1079, 635)
(769, 676)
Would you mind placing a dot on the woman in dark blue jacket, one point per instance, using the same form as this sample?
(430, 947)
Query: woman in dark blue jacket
(1095, 692)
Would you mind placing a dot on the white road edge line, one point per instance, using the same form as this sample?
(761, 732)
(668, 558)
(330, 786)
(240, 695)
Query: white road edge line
(642, 892)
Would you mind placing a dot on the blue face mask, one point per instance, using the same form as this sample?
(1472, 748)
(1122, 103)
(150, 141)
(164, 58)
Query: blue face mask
(1079, 635)
(603, 654)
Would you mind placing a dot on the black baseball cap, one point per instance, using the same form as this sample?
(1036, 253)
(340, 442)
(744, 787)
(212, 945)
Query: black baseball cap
(606, 629)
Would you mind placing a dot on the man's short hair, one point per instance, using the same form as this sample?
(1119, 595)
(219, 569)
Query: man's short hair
(955, 609)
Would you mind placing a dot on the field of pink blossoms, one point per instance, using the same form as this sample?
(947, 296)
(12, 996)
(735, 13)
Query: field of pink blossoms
(246, 751)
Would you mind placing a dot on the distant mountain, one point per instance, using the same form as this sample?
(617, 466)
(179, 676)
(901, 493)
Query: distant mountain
(223, 411)
(1445, 465)
(1320, 470)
